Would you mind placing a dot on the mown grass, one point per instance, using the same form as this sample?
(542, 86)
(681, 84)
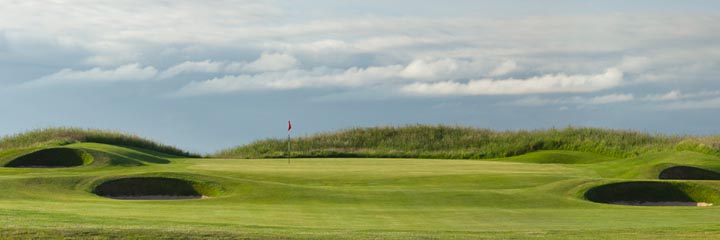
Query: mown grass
(447, 142)
(64, 136)
(535, 196)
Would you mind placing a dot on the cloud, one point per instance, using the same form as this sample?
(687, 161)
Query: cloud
(292, 79)
(390, 76)
(551, 83)
(505, 67)
(676, 95)
(634, 63)
(672, 95)
(443, 55)
(574, 100)
(424, 69)
(612, 98)
(710, 103)
(206, 66)
(130, 72)
(268, 62)
(672, 100)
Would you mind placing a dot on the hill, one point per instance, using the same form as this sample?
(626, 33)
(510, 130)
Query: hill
(423, 141)
(49, 137)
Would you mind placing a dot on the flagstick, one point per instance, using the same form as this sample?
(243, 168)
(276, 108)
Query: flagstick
(288, 155)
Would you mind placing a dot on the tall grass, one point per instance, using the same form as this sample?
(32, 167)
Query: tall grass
(64, 136)
(423, 141)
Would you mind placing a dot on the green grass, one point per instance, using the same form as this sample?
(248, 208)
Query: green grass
(539, 195)
(64, 136)
(445, 142)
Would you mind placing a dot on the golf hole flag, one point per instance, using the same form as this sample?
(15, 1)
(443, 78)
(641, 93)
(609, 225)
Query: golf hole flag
(288, 152)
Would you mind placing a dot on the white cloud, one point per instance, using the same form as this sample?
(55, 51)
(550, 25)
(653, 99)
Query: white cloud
(206, 66)
(293, 79)
(424, 69)
(130, 72)
(710, 103)
(676, 95)
(270, 62)
(612, 98)
(323, 77)
(574, 100)
(505, 67)
(551, 83)
(672, 95)
(267, 62)
(634, 63)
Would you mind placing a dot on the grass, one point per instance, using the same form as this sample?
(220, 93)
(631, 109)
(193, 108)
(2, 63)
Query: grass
(445, 142)
(353, 199)
(538, 195)
(64, 136)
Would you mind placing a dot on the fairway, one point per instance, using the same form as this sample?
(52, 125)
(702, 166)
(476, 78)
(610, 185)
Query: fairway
(538, 195)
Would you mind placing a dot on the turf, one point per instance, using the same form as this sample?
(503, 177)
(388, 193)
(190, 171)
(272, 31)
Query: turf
(538, 195)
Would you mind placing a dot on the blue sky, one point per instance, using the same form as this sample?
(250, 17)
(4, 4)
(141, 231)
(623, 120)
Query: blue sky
(206, 75)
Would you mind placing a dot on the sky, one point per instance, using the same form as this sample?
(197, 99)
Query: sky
(208, 75)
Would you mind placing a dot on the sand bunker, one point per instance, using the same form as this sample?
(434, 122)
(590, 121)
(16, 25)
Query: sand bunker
(689, 173)
(690, 204)
(151, 188)
(52, 158)
(159, 197)
(653, 194)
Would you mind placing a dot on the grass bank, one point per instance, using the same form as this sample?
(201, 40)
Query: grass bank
(63, 136)
(424, 141)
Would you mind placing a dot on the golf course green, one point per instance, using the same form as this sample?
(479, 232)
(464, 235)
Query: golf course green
(88, 187)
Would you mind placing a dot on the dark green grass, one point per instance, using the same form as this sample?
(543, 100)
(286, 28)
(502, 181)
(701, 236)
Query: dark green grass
(445, 142)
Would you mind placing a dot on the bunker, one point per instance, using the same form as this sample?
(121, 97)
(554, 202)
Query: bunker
(52, 158)
(154, 188)
(649, 193)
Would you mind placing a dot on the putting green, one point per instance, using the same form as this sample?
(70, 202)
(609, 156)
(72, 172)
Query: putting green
(531, 196)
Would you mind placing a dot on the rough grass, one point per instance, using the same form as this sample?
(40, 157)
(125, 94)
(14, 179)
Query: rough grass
(65, 136)
(422, 141)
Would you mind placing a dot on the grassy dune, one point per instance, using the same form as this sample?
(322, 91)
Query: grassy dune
(536, 195)
(64, 136)
(445, 142)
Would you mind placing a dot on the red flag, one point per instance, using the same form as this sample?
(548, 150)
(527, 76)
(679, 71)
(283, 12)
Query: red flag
(289, 126)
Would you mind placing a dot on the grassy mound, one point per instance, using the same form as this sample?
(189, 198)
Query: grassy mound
(689, 173)
(421, 141)
(52, 157)
(65, 136)
(638, 193)
(153, 188)
(558, 157)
